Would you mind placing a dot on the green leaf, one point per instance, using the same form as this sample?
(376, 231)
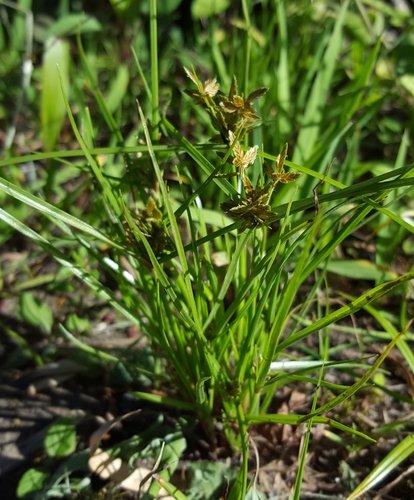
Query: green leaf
(119, 375)
(124, 8)
(60, 440)
(255, 494)
(163, 8)
(35, 312)
(402, 451)
(118, 88)
(31, 481)
(51, 211)
(56, 54)
(359, 269)
(208, 479)
(201, 8)
(79, 325)
(72, 24)
(316, 104)
(200, 390)
(404, 58)
(175, 445)
(407, 81)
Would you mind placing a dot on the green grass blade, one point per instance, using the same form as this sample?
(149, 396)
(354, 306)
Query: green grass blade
(360, 84)
(297, 419)
(387, 236)
(241, 244)
(83, 275)
(159, 272)
(283, 77)
(355, 387)
(104, 356)
(289, 293)
(172, 490)
(320, 90)
(158, 399)
(53, 212)
(75, 153)
(113, 127)
(118, 89)
(154, 70)
(402, 345)
(400, 453)
(52, 105)
(206, 166)
(141, 74)
(345, 311)
(316, 61)
(174, 226)
(106, 188)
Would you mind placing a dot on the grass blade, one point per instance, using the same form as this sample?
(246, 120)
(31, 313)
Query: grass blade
(56, 53)
(53, 212)
(83, 275)
(400, 453)
(315, 107)
(345, 311)
(173, 224)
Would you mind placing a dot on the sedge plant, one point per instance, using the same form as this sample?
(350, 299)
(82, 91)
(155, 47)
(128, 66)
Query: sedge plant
(216, 285)
(217, 334)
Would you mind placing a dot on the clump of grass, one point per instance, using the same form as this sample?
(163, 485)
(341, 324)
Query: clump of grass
(218, 357)
(222, 334)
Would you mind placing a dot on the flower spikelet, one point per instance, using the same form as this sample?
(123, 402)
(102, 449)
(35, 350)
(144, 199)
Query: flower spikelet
(280, 175)
(242, 160)
(211, 87)
(205, 91)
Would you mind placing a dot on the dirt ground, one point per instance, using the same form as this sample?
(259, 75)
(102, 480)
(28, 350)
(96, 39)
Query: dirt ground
(27, 408)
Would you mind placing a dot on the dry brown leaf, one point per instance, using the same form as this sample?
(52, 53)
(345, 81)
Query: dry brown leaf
(97, 436)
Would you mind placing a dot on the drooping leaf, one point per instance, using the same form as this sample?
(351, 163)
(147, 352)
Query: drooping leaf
(200, 390)
(76, 324)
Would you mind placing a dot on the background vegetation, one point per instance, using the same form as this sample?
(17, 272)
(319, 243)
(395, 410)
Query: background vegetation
(147, 201)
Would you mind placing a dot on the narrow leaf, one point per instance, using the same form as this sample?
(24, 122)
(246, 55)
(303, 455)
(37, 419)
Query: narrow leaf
(56, 53)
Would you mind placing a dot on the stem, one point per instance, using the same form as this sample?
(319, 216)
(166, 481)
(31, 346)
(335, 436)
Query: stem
(154, 70)
(248, 48)
(244, 446)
